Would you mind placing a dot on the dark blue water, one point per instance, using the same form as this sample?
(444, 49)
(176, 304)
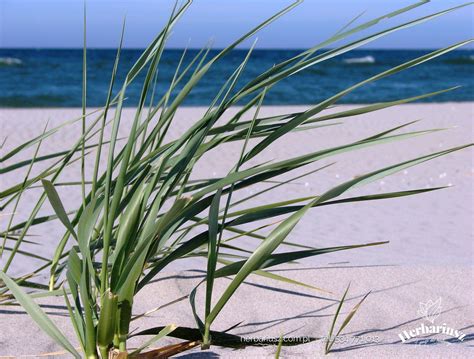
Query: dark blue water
(53, 78)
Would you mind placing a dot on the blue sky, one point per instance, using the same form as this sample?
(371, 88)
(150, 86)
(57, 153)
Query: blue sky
(58, 23)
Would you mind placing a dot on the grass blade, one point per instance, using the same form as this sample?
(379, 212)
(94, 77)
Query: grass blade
(37, 314)
(58, 206)
(161, 334)
(330, 339)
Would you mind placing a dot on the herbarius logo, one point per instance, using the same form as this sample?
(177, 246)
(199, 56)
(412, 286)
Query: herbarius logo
(430, 311)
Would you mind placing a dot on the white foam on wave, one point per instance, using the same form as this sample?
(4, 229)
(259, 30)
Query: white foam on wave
(360, 60)
(10, 61)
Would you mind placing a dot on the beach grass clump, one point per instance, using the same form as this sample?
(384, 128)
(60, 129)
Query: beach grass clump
(144, 210)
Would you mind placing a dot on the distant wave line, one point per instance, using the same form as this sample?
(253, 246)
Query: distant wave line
(360, 60)
(10, 61)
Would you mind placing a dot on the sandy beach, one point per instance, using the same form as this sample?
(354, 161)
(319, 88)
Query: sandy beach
(430, 254)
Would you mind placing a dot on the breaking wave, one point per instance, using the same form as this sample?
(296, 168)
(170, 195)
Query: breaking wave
(10, 61)
(360, 60)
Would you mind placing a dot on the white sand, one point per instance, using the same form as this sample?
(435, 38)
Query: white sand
(430, 254)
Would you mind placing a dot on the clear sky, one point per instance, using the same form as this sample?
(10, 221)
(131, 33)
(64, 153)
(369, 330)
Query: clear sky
(58, 23)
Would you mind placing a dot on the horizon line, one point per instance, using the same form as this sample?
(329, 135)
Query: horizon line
(222, 48)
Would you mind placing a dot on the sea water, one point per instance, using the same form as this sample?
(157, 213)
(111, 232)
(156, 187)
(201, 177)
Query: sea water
(53, 77)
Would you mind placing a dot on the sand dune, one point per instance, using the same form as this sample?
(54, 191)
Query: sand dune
(430, 254)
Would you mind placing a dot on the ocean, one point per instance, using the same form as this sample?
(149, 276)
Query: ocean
(53, 78)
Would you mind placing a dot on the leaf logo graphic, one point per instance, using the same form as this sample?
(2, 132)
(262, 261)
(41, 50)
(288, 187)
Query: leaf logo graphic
(430, 310)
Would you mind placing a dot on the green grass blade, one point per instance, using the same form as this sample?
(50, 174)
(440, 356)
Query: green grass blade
(107, 105)
(280, 278)
(84, 106)
(37, 314)
(57, 205)
(75, 319)
(161, 334)
(25, 180)
(301, 119)
(330, 339)
(212, 249)
(286, 257)
(278, 351)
